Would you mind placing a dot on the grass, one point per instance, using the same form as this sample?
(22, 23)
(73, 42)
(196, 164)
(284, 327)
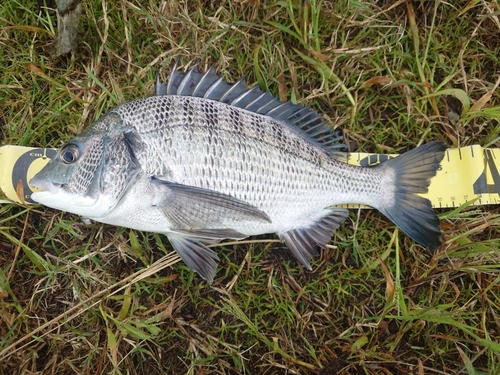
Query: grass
(92, 299)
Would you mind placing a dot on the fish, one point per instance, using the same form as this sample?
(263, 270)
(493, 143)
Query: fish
(203, 160)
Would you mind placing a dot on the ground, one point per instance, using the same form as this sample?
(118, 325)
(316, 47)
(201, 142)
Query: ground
(79, 298)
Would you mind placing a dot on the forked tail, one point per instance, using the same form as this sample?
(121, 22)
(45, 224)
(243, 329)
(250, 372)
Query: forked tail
(413, 214)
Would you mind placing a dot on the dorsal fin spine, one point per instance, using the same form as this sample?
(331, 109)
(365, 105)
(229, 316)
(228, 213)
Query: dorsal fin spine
(279, 107)
(252, 103)
(286, 109)
(240, 97)
(171, 80)
(314, 131)
(210, 86)
(203, 79)
(302, 113)
(266, 108)
(311, 121)
(235, 87)
(158, 86)
(184, 83)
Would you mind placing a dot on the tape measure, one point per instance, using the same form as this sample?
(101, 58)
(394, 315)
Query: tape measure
(465, 174)
(17, 166)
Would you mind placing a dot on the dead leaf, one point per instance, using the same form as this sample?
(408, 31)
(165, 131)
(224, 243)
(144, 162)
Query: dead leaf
(20, 191)
(485, 98)
(35, 69)
(318, 55)
(282, 88)
(3, 294)
(389, 288)
(378, 80)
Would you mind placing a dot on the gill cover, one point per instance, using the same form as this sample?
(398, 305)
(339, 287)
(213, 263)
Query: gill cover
(90, 173)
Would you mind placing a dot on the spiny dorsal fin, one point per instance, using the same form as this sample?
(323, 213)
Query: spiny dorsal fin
(209, 85)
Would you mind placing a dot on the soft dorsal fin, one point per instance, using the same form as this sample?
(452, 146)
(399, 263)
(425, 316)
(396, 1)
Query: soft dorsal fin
(209, 85)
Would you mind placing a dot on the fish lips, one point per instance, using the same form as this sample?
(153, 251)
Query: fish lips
(44, 185)
(53, 195)
(49, 180)
(51, 190)
(43, 189)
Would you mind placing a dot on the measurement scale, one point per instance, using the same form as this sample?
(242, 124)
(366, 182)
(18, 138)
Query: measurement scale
(465, 174)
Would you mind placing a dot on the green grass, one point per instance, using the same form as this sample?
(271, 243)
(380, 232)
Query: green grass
(92, 299)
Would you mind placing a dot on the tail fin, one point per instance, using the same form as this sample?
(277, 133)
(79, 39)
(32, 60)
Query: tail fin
(410, 212)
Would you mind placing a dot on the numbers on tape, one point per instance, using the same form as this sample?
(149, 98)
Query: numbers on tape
(464, 174)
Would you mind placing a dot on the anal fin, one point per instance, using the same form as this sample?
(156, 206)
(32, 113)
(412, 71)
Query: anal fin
(302, 242)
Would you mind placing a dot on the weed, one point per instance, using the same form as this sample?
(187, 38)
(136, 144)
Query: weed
(85, 299)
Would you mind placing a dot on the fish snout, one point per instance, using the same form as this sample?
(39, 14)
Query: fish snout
(41, 184)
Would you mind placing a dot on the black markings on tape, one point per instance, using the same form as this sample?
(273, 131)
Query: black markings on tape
(481, 186)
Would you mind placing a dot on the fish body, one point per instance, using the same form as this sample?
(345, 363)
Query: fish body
(204, 160)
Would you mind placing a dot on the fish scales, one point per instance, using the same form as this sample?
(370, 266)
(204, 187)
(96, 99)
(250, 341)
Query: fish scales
(203, 160)
(191, 112)
(263, 180)
(228, 135)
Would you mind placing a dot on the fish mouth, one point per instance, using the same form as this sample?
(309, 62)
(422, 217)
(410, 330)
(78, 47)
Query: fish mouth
(42, 185)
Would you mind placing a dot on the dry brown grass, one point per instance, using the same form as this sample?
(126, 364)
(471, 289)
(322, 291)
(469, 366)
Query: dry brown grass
(94, 299)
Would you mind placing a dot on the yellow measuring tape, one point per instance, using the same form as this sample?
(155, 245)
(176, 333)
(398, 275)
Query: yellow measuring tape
(465, 174)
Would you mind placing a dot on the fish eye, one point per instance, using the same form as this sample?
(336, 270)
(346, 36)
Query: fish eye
(70, 153)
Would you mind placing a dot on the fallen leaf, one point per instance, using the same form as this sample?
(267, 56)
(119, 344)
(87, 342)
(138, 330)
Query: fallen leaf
(20, 191)
(389, 287)
(379, 80)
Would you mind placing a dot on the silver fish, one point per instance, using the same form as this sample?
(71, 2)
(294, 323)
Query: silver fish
(203, 160)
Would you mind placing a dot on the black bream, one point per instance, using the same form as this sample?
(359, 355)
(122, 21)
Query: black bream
(204, 160)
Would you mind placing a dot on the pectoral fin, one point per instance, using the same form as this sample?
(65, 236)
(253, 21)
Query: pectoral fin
(302, 242)
(192, 208)
(212, 235)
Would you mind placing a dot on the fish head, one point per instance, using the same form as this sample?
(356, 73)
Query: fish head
(89, 174)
